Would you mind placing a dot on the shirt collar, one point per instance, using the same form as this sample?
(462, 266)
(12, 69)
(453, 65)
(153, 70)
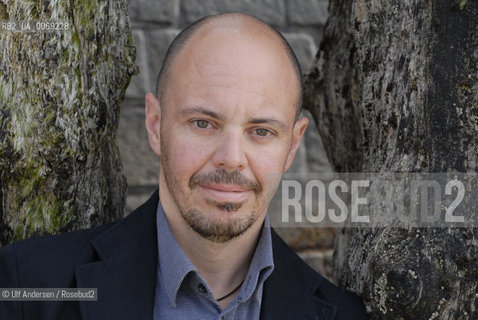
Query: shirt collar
(174, 265)
(262, 263)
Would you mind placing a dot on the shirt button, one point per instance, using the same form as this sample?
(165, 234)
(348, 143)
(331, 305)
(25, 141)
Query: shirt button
(202, 288)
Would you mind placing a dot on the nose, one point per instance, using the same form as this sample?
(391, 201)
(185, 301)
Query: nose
(230, 154)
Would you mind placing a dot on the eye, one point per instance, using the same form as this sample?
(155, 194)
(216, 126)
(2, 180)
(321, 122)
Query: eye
(201, 124)
(261, 132)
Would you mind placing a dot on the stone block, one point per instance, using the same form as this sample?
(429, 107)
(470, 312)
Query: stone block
(136, 196)
(317, 159)
(300, 161)
(270, 11)
(158, 42)
(140, 163)
(304, 48)
(311, 155)
(301, 239)
(321, 261)
(140, 82)
(307, 12)
(157, 11)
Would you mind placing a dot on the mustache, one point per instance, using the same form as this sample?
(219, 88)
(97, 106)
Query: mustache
(221, 176)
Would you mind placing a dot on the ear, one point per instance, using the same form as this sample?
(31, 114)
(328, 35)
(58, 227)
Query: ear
(153, 122)
(297, 134)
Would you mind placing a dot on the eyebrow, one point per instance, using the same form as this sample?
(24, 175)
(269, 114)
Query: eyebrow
(215, 115)
(273, 122)
(201, 110)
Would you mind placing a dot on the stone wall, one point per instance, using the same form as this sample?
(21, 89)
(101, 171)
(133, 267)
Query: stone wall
(154, 26)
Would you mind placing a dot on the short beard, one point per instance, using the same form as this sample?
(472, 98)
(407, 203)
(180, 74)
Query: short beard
(202, 224)
(215, 231)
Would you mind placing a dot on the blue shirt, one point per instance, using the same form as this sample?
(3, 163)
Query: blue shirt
(182, 293)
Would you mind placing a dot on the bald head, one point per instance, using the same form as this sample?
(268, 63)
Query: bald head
(233, 26)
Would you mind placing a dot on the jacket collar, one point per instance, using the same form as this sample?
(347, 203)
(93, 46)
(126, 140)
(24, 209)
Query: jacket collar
(125, 274)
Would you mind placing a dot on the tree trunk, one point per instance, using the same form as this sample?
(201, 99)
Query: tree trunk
(60, 96)
(396, 90)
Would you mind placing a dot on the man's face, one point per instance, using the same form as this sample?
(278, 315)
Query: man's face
(227, 132)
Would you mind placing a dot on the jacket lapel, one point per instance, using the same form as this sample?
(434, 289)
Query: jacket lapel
(290, 290)
(125, 274)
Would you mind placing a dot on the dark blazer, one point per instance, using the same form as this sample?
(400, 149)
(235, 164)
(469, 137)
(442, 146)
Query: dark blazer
(120, 259)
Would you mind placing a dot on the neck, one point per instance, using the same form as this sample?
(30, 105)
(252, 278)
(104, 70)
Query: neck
(223, 265)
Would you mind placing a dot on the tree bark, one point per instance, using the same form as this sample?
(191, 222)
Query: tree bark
(60, 96)
(395, 89)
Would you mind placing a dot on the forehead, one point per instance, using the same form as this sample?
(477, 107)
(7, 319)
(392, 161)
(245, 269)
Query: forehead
(250, 59)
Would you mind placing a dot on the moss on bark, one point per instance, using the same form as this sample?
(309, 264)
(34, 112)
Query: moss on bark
(60, 98)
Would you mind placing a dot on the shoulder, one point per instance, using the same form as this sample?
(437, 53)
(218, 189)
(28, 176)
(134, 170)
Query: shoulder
(48, 259)
(73, 248)
(51, 260)
(345, 305)
(49, 247)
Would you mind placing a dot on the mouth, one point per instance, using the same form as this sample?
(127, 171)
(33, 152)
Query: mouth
(226, 192)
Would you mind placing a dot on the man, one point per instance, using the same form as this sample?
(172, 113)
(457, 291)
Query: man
(226, 127)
